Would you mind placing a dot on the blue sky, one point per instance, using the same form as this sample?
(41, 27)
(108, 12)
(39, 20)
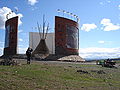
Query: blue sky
(99, 23)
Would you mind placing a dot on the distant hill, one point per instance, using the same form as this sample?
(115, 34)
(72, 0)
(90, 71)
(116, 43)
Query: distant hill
(94, 59)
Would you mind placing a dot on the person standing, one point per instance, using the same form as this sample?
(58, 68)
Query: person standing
(28, 54)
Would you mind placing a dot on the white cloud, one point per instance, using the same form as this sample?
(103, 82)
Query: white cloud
(105, 2)
(101, 42)
(19, 31)
(88, 27)
(34, 8)
(16, 8)
(20, 39)
(1, 42)
(94, 52)
(108, 26)
(1, 51)
(32, 2)
(111, 27)
(20, 45)
(3, 12)
(22, 50)
(119, 7)
(106, 22)
(108, 1)
(101, 3)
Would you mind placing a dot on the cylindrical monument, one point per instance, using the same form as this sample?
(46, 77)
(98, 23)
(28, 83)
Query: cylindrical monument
(66, 36)
(11, 29)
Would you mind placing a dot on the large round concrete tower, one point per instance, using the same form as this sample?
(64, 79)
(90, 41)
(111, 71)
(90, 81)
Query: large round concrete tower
(66, 36)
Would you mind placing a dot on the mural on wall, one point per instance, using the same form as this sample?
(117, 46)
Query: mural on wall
(66, 36)
(7, 36)
(72, 37)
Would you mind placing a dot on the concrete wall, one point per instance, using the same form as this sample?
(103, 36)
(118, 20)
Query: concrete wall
(34, 39)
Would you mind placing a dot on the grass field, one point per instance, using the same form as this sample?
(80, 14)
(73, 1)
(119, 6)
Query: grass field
(59, 76)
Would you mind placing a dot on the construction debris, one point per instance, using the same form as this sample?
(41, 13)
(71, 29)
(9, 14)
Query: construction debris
(69, 58)
(8, 61)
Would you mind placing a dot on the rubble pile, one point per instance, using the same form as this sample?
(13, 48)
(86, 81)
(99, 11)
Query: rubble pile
(8, 62)
(69, 58)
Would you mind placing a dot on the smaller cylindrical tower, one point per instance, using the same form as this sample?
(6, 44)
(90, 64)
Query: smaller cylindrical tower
(11, 35)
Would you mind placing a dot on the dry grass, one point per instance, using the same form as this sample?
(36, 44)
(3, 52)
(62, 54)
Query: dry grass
(58, 76)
